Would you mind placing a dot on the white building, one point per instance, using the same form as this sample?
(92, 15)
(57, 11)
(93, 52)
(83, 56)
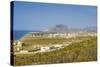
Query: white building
(19, 44)
(43, 49)
(58, 46)
(24, 51)
(18, 49)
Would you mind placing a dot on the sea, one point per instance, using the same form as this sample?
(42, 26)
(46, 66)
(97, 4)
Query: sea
(18, 34)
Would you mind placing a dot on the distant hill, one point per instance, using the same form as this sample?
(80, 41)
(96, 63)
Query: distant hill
(90, 29)
(75, 29)
(65, 28)
(58, 28)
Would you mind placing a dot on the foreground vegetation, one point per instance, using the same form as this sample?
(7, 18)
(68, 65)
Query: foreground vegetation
(85, 50)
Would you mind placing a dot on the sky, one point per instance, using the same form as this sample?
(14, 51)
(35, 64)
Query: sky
(41, 16)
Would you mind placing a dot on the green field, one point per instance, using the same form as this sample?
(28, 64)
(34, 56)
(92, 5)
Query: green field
(83, 51)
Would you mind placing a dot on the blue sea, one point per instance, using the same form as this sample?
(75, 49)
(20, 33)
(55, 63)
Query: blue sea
(18, 34)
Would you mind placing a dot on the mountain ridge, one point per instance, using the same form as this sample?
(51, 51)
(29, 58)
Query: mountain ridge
(65, 28)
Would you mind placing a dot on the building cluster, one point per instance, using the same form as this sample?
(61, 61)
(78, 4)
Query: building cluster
(63, 35)
(37, 48)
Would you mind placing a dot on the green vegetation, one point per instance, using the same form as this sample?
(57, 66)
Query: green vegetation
(43, 41)
(86, 50)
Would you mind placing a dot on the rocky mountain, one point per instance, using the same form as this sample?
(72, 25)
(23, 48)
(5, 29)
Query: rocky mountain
(65, 28)
(58, 28)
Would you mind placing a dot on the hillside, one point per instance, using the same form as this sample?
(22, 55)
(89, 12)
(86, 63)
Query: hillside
(76, 52)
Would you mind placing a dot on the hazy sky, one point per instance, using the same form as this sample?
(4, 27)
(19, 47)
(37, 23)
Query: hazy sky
(40, 16)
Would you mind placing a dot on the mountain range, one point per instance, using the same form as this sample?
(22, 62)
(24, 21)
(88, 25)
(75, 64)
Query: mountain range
(65, 28)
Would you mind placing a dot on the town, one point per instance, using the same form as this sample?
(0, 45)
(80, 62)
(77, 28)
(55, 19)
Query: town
(23, 45)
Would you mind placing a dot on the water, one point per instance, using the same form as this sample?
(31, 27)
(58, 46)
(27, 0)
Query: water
(18, 34)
